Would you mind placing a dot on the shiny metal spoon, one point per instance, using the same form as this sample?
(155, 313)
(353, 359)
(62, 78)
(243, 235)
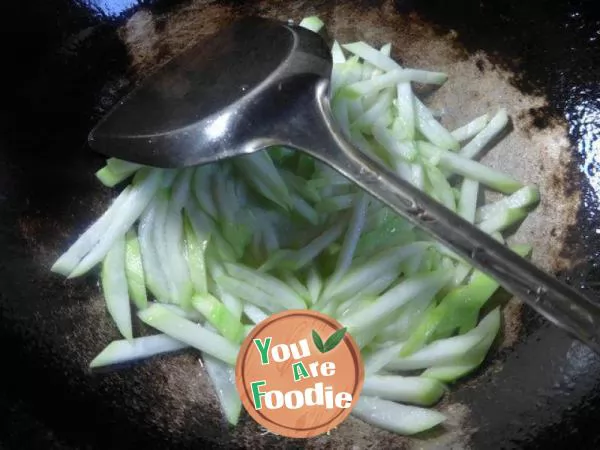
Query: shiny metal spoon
(259, 83)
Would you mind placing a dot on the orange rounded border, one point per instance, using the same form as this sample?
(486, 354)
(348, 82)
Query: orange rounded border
(243, 387)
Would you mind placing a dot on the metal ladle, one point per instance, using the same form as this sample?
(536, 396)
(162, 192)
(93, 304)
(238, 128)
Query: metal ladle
(259, 83)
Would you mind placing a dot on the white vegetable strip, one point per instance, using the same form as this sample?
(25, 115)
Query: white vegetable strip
(396, 417)
(254, 313)
(372, 55)
(381, 358)
(160, 244)
(394, 146)
(469, 130)
(467, 204)
(502, 220)
(222, 376)
(233, 304)
(138, 199)
(308, 253)
(395, 298)
(405, 104)
(190, 314)
(337, 53)
(416, 390)
(440, 187)
(174, 241)
(314, 284)
(271, 285)
(432, 129)
(371, 115)
(352, 235)
(249, 293)
(392, 78)
(358, 277)
(69, 260)
(190, 333)
(524, 197)
(202, 189)
(122, 351)
(491, 130)
(114, 286)
(155, 277)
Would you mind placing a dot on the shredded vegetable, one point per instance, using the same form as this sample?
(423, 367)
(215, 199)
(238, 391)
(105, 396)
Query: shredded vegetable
(205, 253)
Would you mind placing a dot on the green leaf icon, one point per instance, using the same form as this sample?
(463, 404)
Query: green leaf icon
(334, 340)
(331, 343)
(318, 341)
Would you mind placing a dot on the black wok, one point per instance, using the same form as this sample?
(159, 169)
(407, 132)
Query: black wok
(66, 62)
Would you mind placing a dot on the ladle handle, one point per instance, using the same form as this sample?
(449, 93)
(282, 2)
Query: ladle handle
(559, 303)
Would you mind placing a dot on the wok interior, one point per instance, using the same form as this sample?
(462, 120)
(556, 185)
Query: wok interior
(53, 328)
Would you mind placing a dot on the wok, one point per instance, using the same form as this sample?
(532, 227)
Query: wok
(68, 62)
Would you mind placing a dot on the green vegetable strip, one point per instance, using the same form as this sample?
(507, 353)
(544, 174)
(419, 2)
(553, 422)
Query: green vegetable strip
(119, 166)
(503, 220)
(195, 252)
(440, 187)
(415, 390)
(444, 352)
(114, 286)
(469, 168)
(312, 23)
(134, 270)
(466, 364)
(483, 138)
(395, 147)
(160, 318)
(471, 129)
(219, 317)
(110, 179)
